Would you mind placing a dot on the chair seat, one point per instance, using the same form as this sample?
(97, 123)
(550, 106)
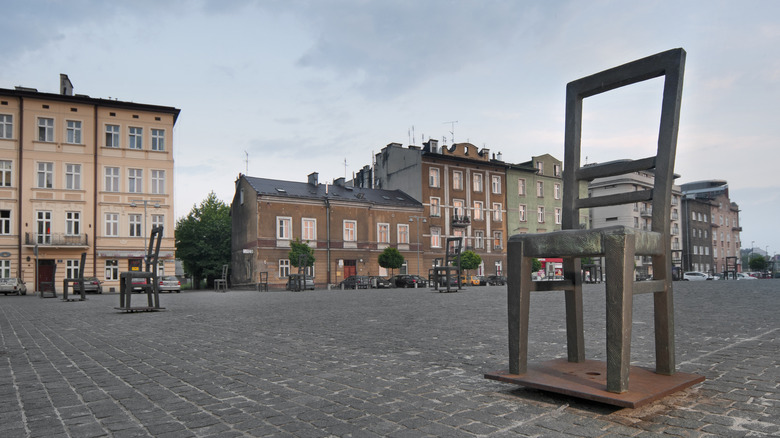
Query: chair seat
(585, 243)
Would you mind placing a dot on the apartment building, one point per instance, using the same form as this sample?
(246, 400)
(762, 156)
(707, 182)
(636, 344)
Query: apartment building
(81, 174)
(346, 226)
(463, 189)
(697, 236)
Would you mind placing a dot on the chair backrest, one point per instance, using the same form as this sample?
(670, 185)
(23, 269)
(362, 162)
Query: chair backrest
(153, 253)
(669, 64)
(454, 247)
(81, 265)
(225, 271)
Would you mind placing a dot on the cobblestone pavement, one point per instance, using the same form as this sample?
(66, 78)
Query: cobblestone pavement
(397, 363)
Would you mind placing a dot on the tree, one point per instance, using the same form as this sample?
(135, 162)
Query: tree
(469, 260)
(536, 265)
(757, 263)
(203, 240)
(298, 249)
(391, 259)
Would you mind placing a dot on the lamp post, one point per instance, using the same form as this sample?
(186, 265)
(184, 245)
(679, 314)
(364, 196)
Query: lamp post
(156, 204)
(424, 220)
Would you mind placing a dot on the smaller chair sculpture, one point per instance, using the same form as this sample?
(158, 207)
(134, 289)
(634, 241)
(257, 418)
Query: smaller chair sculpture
(48, 289)
(221, 284)
(78, 281)
(297, 282)
(451, 265)
(149, 276)
(262, 283)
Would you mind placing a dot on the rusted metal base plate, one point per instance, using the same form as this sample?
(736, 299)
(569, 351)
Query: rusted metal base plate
(588, 380)
(139, 309)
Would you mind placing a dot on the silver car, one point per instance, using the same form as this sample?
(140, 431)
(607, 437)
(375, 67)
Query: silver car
(169, 284)
(12, 286)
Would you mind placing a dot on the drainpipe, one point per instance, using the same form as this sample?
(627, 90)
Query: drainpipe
(19, 204)
(327, 224)
(95, 189)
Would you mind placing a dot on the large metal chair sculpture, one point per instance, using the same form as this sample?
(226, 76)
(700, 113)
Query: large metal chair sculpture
(618, 244)
(453, 248)
(78, 281)
(150, 285)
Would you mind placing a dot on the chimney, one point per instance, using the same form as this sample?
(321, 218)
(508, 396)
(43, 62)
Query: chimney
(66, 87)
(314, 179)
(339, 182)
(500, 157)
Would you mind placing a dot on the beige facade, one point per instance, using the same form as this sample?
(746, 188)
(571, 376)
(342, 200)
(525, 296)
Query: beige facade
(81, 174)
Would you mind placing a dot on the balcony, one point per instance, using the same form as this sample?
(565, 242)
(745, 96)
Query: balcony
(646, 212)
(461, 221)
(56, 239)
(736, 228)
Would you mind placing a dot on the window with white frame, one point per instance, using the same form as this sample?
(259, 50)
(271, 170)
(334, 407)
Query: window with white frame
(135, 180)
(479, 185)
(557, 191)
(308, 229)
(521, 212)
(73, 131)
(136, 138)
(112, 224)
(540, 167)
(540, 214)
(540, 189)
(521, 186)
(433, 177)
(498, 239)
(284, 268)
(45, 175)
(158, 220)
(457, 180)
(403, 233)
(72, 268)
(158, 139)
(45, 129)
(73, 176)
(283, 228)
(112, 179)
(478, 207)
(72, 223)
(5, 222)
(135, 225)
(435, 237)
(457, 208)
(479, 239)
(5, 268)
(557, 216)
(158, 182)
(497, 212)
(112, 270)
(112, 136)
(350, 231)
(556, 169)
(6, 173)
(495, 183)
(43, 225)
(435, 207)
(383, 233)
(6, 126)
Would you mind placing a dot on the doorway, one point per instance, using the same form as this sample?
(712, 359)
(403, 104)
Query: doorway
(350, 268)
(47, 270)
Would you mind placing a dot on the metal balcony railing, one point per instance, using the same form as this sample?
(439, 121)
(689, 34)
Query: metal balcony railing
(56, 239)
(461, 221)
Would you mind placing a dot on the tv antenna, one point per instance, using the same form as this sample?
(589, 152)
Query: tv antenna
(452, 132)
(247, 161)
(345, 168)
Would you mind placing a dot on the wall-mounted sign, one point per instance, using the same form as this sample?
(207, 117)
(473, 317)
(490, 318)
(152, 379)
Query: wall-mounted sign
(5, 254)
(249, 251)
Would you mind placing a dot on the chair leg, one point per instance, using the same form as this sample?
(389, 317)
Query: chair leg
(518, 306)
(575, 333)
(663, 305)
(619, 251)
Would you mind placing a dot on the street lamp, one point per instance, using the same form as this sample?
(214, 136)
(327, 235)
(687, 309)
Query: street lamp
(424, 220)
(133, 203)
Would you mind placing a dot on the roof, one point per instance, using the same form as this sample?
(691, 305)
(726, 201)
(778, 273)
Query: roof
(301, 190)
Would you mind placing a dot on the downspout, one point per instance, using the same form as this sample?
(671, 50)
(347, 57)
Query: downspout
(19, 190)
(327, 225)
(95, 190)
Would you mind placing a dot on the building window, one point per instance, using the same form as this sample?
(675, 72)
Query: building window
(521, 186)
(135, 180)
(350, 231)
(478, 207)
(158, 182)
(540, 214)
(45, 129)
(112, 270)
(5, 222)
(136, 139)
(284, 228)
(112, 224)
(457, 180)
(6, 126)
(556, 170)
(557, 191)
(158, 139)
(435, 238)
(479, 239)
(284, 268)
(540, 189)
(457, 208)
(45, 175)
(43, 224)
(497, 213)
(72, 223)
(435, 207)
(5, 268)
(112, 179)
(308, 229)
(403, 233)
(73, 176)
(496, 184)
(478, 183)
(158, 220)
(540, 167)
(73, 131)
(72, 268)
(521, 211)
(498, 239)
(5, 173)
(135, 225)
(383, 233)
(433, 177)
(557, 216)
(112, 136)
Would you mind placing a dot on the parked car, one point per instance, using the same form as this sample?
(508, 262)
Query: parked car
(496, 280)
(472, 280)
(91, 285)
(138, 284)
(482, 280)
(743, 276)
(169, 283)
(13, 286)
(695, 276)
(404, 280)
(355, 282)
(421, 282)
(379, 282)
(309, 283)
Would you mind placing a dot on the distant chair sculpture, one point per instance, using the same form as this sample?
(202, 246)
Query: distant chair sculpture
(618, 244)
(453, 248)
(78, 281)
(149, 276)
(262, 283)
(221, 284)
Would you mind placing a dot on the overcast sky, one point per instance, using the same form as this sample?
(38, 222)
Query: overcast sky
(320, 86)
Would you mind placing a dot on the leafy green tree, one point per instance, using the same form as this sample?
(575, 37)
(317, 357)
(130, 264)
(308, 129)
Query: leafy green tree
(298, 249)
(203, 240)
(757, 263)
(536, 265)
(469, 260)
(391, 259)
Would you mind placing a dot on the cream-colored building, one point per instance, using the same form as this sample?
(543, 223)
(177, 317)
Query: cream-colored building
(81, 174)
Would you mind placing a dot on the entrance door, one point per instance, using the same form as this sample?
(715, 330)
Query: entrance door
(46, 271)
(350, 268)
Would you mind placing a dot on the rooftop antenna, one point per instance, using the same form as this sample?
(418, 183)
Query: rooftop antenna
(247, 161)
(452, 133)
(345, 168)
